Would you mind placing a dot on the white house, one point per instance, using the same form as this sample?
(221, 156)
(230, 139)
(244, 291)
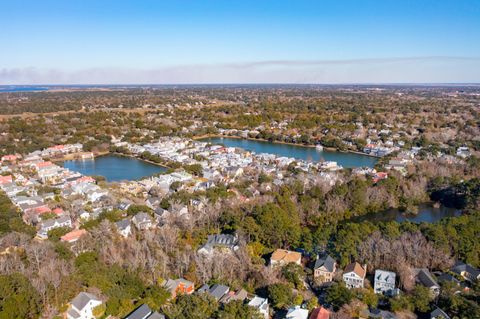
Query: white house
(143, 221)
(124, 227)
(226, 241)
(297, 313)
(82, 305)
(354, 275)
(384, 282)
(50, 224)
(262, 305)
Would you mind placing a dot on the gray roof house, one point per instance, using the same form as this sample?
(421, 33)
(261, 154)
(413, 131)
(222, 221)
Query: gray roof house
(466, 271)
(82, 305)
(446, 277)
(153, 202)
(324, 268)
(326, 262)
(50, 224)
(377, 313)
(124, 227)
(216, 291)
(425, 278)
(239, 295)
(439, 314)
(144, 312)
(143, 221)
(262, 305)
(384, 282)
(219, 241)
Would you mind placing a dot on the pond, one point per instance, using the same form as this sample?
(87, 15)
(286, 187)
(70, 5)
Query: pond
(348, 160)
(114, 168)
(426, 214)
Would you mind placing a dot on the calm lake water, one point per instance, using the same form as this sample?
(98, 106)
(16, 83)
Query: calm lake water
(349, 160)
(114, 168)
(426, 214)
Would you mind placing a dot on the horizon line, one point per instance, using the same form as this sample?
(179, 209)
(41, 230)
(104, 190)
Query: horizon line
(245, 83)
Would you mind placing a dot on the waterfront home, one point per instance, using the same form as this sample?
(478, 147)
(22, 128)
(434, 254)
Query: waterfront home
(261, 304)
(297, 313)
(219, 241)
(384, 282)
(62, 149)
(354, 275)
(377, 150)
(81, 307)
(467, 271)
(144, 312)
(425, 278)
(324, 268)
(281, 257)
(124, 227)
(143, 221)
(319, 313)
(179, 287)
(330, 166)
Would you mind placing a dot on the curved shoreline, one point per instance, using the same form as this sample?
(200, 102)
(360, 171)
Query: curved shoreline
(102, 154)
(333, 149)
(140, 159)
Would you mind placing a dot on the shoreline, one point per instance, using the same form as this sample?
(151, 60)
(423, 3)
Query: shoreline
(140, 159)
(101, 154)
(332, 149)
(71, 157)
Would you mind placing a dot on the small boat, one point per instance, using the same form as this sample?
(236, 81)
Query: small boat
(319, 147)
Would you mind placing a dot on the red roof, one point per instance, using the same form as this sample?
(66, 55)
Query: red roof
(42, 210)
(57, 147)
(43, 164)
(6, 179)
(9, 158)
(73, 235)
(58, 211)
(320, 313)
(87, 179)
(379, 176)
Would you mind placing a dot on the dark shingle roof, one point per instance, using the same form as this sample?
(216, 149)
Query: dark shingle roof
(218, 291)
(426, 278)
(141, 312)
(123, 224)
(325, 261)
(460, 267)
(439, 313)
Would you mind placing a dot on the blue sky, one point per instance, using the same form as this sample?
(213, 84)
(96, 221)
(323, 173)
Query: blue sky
(194, 41)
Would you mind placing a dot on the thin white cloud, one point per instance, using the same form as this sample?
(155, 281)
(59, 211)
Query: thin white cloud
(431, 69)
